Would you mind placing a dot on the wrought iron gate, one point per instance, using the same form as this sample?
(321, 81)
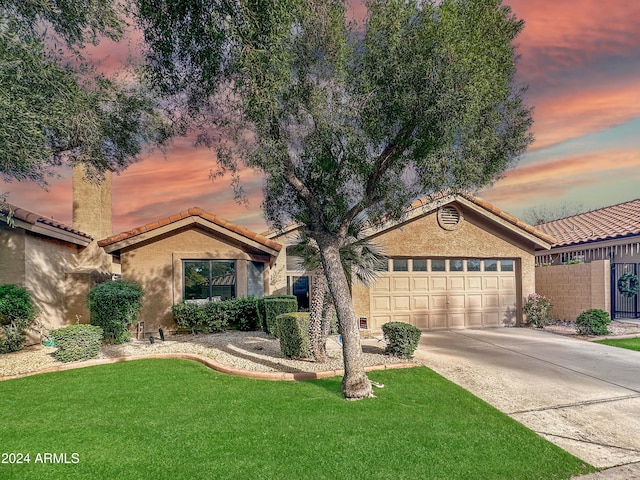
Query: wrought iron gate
(621, 306)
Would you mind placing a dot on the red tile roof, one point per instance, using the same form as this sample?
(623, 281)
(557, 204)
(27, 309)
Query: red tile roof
(198, 212)
(33, 218)
(603, 224)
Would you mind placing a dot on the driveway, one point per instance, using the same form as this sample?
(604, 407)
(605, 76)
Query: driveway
(582, 396)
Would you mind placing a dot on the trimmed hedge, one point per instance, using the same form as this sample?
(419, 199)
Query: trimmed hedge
(274, 306)
(114, 307)
(17, 314)
(215, 316)
(77, 342)
(593, 322)
(240, 313)
(402, 339)
(188, 316)
(294, 334)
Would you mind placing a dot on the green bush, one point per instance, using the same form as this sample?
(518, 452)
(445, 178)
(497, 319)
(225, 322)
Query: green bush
(114, 307)
(242, 313)
(294, 334)
(215, 316)
(402, 339)
(17, 314)
(274, 306)
(593, 322)
(77, 342)
(189, 316)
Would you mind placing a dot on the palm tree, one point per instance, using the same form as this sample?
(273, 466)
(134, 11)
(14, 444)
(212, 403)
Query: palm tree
(361, 260)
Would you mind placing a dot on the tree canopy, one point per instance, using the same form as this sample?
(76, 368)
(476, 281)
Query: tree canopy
(346, 120)
(56, 109)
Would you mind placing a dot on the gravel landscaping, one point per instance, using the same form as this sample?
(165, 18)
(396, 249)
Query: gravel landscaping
(616, 328)
(255, 351)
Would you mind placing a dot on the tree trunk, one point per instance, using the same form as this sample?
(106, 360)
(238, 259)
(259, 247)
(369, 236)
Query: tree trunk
(316, 304)
(355, 384)
(328, 313)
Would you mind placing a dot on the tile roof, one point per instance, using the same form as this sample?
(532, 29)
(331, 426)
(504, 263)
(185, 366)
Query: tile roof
(191, 212)
(606, 223)
(33, 218)
(434, 200)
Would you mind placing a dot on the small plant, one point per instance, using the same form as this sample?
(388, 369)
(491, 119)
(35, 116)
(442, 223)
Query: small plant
(538, 310)
(77, 342)
(593, 322)
(402, 339)
(17, 314)
(294, 334)
(114, 307)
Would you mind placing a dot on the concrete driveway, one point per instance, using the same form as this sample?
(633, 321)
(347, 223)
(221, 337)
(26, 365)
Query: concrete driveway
(584, 397)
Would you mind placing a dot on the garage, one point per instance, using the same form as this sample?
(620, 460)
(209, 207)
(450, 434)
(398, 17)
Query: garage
(433, 293)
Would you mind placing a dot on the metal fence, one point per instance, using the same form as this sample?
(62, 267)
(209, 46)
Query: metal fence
(621, 305)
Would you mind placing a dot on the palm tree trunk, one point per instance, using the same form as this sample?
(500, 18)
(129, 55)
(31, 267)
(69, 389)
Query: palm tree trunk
(355, 384)
(316, 304)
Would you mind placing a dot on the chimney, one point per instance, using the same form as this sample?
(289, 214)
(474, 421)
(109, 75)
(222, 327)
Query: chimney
(91, 204)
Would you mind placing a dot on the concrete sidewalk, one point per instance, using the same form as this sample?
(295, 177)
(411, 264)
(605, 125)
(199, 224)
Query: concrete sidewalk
(582, 396)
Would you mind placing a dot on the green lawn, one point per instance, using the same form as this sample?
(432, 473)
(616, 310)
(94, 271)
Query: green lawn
(176, 419)
(628, 343)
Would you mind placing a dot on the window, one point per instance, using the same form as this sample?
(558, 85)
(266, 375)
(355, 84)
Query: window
(473, 265)
(419, 264)
(438, 265)
(506, 265)
(400, 265)
(490, 265)
(255, 279)
(294, 262)
(456, 265)
(211, 280)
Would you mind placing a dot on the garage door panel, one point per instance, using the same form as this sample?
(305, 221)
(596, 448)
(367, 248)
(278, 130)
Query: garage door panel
(456, 283)
(400, 284)
(402, 318)
(382, 284)
(420, 302)
(474, 319)
(421, 320)
(438, 283)
(456, 320)
(456, 301)
(401, 302)
(438, 320)
(491, 300)
(508, 300)
(420, 284)
(508, 283)
(382, 303)
(492, 319)
(490, 282)
(438, 302)
(474, 283)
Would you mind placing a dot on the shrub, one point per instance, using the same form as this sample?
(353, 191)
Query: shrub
(241, 313)
(215, 316)
(189, 316)
(538, 310)
(77, 342)
(17, 314)
(593, 322)
(114, 307)
(402, 339)
(294, 334)
(277, 305)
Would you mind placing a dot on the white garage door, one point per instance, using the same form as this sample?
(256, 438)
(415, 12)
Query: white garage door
(445, 293)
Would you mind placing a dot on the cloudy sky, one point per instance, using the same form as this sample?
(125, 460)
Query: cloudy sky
(581, 60)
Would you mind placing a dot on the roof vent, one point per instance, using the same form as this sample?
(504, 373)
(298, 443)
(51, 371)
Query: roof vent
(449, 217)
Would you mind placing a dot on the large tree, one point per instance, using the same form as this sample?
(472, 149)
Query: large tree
(54, 107)
(346, 120)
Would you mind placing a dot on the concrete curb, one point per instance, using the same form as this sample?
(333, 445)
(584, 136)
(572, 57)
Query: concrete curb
(212, 364)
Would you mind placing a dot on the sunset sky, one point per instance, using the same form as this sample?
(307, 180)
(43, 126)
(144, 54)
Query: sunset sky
(581, 60)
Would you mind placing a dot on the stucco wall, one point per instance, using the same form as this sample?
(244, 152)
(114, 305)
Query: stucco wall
(157, 266)
(575, 288)
(12, 255)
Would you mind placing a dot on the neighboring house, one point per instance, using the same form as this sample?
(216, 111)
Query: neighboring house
(605, 245)
(191, 256)
(611, 233)
(455, 261)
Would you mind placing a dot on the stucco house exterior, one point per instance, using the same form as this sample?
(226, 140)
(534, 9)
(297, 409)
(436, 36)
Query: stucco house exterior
(455, 261)
(191, 256)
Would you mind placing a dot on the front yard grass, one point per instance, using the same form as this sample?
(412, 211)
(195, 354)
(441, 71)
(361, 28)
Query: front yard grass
(176, 419)
(628, 343)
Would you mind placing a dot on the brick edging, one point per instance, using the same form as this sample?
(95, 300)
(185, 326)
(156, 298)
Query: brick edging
(212, 364)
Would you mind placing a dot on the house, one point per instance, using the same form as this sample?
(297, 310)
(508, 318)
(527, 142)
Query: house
(57, 263)
(593, 252)
(191, 256)
(455, 261)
